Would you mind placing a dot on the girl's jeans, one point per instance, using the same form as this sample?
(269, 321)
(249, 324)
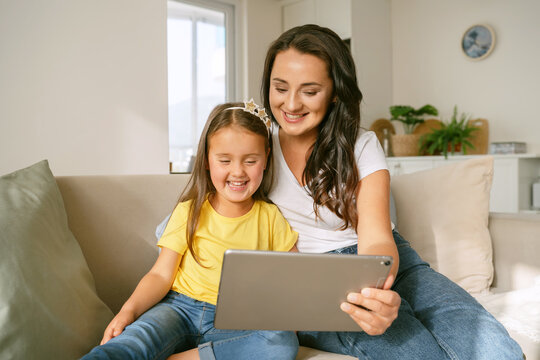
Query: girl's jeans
(437, 319)
(180, 323)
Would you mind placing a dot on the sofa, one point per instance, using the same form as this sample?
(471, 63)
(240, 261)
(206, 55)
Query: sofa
(70, 288)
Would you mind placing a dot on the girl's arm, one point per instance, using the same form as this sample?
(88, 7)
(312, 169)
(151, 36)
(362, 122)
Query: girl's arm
(150, 290)
(375, 238)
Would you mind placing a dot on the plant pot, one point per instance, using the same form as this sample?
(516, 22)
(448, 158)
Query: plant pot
(405, 144)
(457, 149)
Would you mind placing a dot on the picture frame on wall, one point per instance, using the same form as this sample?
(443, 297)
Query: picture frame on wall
(478, 41)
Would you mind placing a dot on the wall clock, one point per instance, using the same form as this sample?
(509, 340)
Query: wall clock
(478, 42)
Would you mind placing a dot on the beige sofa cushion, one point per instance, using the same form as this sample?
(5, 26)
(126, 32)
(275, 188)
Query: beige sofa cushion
(113, 219)
(443, 213)
(49, 307)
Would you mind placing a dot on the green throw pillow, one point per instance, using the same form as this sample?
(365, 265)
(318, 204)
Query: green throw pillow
(49, 308)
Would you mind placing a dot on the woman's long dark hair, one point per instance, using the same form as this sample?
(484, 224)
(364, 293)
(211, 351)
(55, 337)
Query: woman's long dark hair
(331, 174)
(200, 184)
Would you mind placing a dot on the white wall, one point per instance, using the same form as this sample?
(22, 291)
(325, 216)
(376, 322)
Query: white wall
(408, 52)
(371, 43)
(367, 24)
(429, 67)
(263, 20)
(84, 85)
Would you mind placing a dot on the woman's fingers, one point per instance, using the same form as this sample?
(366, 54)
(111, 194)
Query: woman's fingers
(370, 323)
(373, 305)
(389, 282)
(373, 310)
(388, 297)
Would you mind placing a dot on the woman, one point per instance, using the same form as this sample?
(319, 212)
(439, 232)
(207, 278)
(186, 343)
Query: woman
(329, 168)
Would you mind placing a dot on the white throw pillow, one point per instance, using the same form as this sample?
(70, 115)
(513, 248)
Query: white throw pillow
(443, 213)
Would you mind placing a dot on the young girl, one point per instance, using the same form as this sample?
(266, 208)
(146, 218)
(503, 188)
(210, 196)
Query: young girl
(225, 206)
(332, 185)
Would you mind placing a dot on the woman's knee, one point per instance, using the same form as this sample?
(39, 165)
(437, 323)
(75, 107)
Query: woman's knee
(286, 341)
(261, 345)
(280, 337)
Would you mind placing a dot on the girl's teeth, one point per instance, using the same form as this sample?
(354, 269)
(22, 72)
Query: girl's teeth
(292, 116)
(237, 183)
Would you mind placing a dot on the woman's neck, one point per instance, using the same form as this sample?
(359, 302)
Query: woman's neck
(298, 143)
(296, 150)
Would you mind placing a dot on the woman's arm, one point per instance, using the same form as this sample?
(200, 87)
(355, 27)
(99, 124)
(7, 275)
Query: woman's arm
(374, 227)
(150, 290)
(375, 238)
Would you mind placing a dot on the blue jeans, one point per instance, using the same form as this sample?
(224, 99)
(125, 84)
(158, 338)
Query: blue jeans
(437, 319)
(180, 323)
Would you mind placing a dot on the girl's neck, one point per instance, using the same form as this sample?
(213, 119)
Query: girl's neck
(230, 209)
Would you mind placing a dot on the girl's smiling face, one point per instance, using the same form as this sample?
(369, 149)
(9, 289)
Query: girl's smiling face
(300, 92)
(236, 161)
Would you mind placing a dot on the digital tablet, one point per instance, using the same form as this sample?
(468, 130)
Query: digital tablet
(269, 290)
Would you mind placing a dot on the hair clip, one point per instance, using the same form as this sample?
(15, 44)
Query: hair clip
(252, 108)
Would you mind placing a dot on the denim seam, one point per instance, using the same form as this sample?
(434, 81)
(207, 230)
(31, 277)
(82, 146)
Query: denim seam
(447, 349)
(357, 350)
(167, 349)
(202, 318)
(207, 347)
(172, 344)
(213, 344)
(224, 341)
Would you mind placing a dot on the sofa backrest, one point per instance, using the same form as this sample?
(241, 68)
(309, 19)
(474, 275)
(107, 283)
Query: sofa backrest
(516, 245)
(114, 219)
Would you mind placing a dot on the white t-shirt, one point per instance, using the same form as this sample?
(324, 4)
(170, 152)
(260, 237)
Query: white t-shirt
(318, 235)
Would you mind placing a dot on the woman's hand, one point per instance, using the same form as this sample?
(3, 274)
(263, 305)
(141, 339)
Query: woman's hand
(117, 325)
(382, 304)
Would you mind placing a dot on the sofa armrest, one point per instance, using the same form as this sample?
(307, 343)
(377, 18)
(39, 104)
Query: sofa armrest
(516, 250)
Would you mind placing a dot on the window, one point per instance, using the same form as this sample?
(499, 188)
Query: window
(199, 54)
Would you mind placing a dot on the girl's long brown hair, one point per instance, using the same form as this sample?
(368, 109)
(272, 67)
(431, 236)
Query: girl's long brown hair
(200, 184)
(331, 174)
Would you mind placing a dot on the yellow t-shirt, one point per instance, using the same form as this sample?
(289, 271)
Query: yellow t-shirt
(262, 228)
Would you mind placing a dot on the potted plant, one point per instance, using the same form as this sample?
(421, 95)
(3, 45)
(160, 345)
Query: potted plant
(453, 136)
(411, 117)
(407, 144)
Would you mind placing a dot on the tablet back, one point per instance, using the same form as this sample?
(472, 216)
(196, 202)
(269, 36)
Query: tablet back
(269, 290)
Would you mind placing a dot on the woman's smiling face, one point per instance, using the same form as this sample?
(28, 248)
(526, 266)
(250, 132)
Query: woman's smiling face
(300, 92)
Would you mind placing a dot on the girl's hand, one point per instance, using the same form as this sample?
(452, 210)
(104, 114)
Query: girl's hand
(382, 304)
(150, 290)
(117, 325)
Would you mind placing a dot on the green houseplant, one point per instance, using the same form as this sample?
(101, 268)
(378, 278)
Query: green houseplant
(411, 117)
(408, 144)
(453, 136)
